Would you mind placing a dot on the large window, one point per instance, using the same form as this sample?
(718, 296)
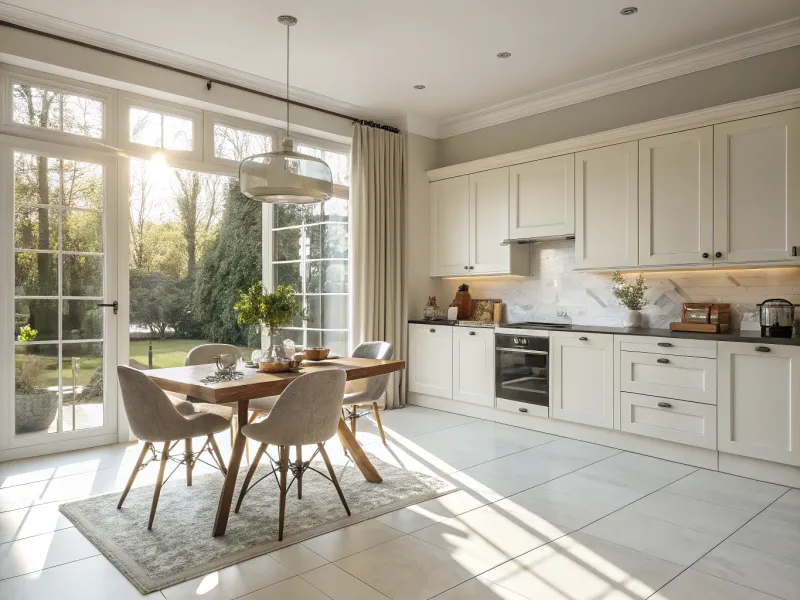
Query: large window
(53, 109)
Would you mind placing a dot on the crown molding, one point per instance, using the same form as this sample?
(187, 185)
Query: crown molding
(702, 118)
(752, 43)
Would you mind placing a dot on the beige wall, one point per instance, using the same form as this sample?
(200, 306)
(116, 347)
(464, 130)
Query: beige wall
(750, 78)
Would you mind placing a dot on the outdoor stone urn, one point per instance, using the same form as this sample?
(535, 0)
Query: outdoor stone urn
(35, 412)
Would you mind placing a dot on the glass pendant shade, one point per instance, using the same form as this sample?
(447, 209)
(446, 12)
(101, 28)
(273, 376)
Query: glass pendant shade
(285, 177)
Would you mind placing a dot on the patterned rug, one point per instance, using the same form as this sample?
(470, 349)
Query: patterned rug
(180, 545)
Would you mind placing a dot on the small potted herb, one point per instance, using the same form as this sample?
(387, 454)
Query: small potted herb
(631, 296)
(274, 310)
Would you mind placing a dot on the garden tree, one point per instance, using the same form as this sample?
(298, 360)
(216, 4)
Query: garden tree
(141, 188)
(159, 303)
(197, 207)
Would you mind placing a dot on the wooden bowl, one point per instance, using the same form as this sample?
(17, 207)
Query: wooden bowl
(276, 367)
(316, 353)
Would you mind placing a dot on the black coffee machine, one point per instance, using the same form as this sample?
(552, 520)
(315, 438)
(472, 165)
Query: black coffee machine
(777, 318)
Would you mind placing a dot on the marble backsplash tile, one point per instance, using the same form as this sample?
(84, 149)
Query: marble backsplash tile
(554, 292)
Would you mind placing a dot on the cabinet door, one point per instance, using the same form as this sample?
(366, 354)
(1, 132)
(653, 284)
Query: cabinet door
(583, 378)
(757, 188)
(450, 226)
(473, 365)
(430, 360)
(488, 222)
(676, 198)
(759, 401)
(606, 207)
(543, 198)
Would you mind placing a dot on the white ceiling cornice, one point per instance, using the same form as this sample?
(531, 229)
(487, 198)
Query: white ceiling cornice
(727, 50)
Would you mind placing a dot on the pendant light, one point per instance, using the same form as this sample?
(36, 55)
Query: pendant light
(286, 176)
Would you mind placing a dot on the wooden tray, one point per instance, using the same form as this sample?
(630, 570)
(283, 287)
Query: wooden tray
(699, 327)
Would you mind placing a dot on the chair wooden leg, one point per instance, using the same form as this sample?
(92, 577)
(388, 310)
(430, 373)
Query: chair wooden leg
(334, 479)
(259, 453)
(217, 454)
(159, 482)
(132, 478)
(187, 456)
(252, 418)
(283, 454)
(378, 421)
(299, 465)
(344, 418)
(353, 417)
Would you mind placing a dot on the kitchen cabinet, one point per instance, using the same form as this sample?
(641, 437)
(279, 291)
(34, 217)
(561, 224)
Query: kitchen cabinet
(758, 401)
(430, 360)
(668, 419)
(488, 222)
(473, 365)
(582, 378)
(606, 207)
(676, 198)
(669, 376)
(449, 227)
(757, 189)
(542, 200)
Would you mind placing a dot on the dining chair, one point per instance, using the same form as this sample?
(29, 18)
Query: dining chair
(154, 419)
(205, 355)
(306, 413)
(367, 392)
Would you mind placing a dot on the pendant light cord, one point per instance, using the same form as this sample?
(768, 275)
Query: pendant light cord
(288, 27)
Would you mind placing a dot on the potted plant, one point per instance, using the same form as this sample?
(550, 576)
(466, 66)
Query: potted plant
(35, 405)
(274, 310)
(631, 296)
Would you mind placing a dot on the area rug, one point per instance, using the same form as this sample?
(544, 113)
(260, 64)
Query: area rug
(180, 545)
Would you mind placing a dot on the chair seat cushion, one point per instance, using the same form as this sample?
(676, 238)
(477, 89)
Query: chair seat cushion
(357, 398)
(263, 405)
(221, 410)
(184, 407)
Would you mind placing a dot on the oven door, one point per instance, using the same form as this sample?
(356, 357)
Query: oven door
(521, 368)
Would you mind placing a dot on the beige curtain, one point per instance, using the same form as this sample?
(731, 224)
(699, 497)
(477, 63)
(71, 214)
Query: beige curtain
(377, 242)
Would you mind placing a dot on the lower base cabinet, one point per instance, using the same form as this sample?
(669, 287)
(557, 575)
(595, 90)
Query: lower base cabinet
(473, 365)
(430, 360)
(678, 421)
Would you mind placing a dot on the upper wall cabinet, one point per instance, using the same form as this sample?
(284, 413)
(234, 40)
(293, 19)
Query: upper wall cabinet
(757, 189)
(543, 198)
(676, 199)
(488, 221)
(606, 207)
(450, 226)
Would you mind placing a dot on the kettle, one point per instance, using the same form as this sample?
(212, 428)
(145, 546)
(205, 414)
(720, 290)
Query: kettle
(777, 318)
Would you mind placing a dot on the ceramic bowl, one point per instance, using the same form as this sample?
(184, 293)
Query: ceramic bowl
(316, 353)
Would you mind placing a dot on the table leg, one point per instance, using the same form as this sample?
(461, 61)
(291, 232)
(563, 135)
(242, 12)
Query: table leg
(226, 497)
(348, 440)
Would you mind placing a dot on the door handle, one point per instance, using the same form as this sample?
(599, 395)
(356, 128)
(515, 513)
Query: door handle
(663, 361)
(665, 344)
(762, 349)
(114, 305)
(664, 405)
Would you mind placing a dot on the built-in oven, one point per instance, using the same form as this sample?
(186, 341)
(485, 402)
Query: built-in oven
(522, 365)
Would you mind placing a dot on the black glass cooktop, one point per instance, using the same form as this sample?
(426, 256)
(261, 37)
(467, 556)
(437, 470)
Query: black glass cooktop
(535, 324)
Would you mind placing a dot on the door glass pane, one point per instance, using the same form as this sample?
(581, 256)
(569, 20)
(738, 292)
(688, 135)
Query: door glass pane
(35, 274)
(36, 389)
(82, 320)
(35, 227)
(329, 312)
(82, 385)
(83, 275)
(82, 231)
(287, 244)
(36, 320)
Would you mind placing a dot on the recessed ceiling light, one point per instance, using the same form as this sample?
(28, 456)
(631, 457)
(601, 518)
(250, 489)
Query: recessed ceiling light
(503, 54)
(419, 86)
(628, 11)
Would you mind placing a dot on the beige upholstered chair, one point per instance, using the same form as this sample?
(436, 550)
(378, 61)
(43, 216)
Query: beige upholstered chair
(306, 412)
(367, 392)
(204, 355)
(154, 419)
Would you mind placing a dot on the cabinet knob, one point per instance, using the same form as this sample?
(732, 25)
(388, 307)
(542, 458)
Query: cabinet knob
(432, 330)
(466, 267)
(762, 349)
(523, 410)
(718, 254)
(583, 338)
(472, 333)
(664, 405)
(663, 361)
(471, 266)
(665, 344)
(705, 254)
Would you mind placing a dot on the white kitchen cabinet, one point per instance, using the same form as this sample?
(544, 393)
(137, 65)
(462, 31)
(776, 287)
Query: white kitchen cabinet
(582, 378)
(488, 222)
(606, 207)
(676, 198)
(669, 376)
(668, 419)
(757, 189)
(449, 227)
(473, 365)
(759, 401)
(542, 201)
(430, 360)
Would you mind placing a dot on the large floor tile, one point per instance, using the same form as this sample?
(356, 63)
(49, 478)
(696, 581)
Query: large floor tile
(231, 582)
(599, 489)
(288, 589)
(27, 522)
(410, 569)
(585, 452)
(298, 559)
(729, 490)
(418, 516)
(583, 567)
(700, 515)
(771, 535)
(554, 507)
(44, 551)
(491, 534)
(530, 467)
(415, 420)
(786, 508)
(643, 473)
(487, 485)
(692, 584)
(351, 539)
(754, 569)
(479, 589)
(340, 585)
(671, 542)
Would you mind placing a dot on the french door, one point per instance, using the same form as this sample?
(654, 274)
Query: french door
(58, 209)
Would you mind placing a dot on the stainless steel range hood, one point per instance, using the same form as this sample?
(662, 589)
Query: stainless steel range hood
(537, 240)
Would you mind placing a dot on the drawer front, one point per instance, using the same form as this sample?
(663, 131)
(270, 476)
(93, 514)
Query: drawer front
(672, 420)
(522, 408)
(679, 377)
(671, 346)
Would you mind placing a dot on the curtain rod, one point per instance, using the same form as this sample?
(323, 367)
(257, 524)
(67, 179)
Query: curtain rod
(209, 80)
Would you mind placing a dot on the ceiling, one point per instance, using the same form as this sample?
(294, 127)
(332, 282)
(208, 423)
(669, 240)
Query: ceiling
(370, 53)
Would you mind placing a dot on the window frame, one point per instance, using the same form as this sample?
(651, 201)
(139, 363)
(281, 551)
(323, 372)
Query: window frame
(211, 118)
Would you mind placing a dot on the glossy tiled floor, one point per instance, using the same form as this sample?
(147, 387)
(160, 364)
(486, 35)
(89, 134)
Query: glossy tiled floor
(537, 517)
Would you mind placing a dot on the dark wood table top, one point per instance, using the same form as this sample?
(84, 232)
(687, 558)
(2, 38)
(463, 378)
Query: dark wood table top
(187, 380)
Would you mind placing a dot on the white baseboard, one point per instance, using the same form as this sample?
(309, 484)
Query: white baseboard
(762, 470)
(56, 447)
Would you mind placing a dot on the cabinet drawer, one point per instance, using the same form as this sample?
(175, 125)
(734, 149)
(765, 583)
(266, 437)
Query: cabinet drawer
(672, 420)
(679, 377)
(673, 346)
(522, 408)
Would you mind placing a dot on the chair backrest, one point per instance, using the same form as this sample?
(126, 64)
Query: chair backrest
(204, 354)
(308, 410)
(375, 387)
(151, 415)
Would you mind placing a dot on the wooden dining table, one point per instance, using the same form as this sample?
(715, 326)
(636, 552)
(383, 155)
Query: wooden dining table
(253, 384)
